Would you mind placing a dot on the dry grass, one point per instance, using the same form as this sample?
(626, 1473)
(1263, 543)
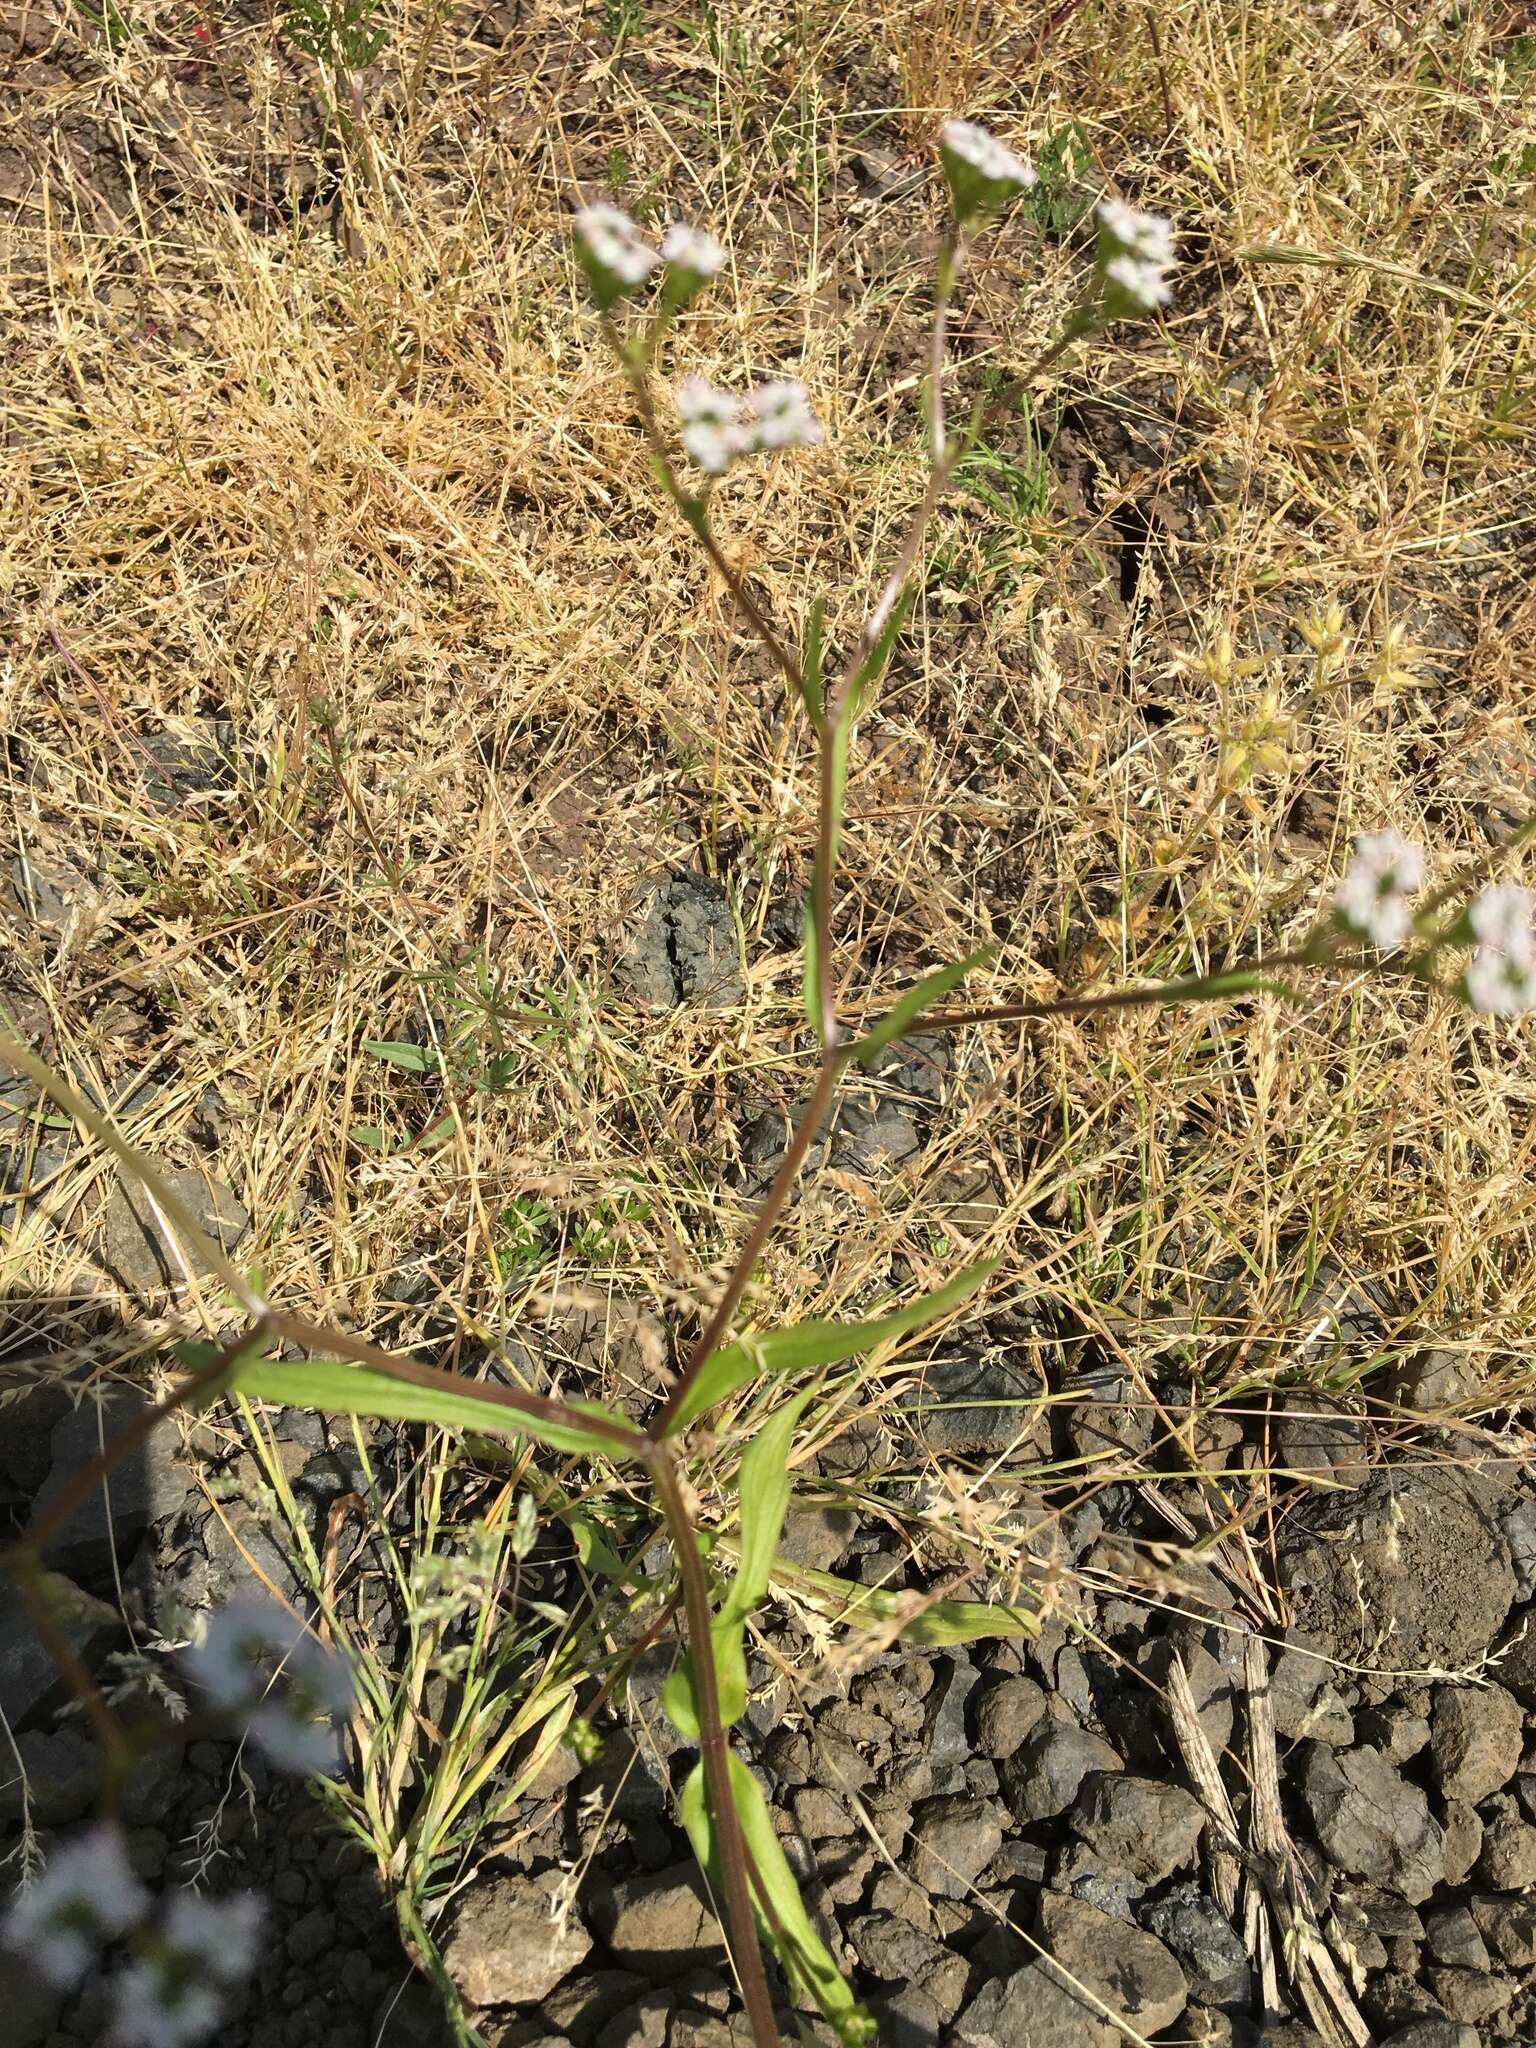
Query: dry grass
(316, 439)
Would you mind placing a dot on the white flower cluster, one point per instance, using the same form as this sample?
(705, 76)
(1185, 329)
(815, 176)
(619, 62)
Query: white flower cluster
(977, 149)
(1136, 249)
(618, 259)
(716, 426)
(1501, 975)
(256, 1663)
(982, 173)
(690, 249)
(1374, 898)
(86, 1897)
(613, 244)
(172, 1994)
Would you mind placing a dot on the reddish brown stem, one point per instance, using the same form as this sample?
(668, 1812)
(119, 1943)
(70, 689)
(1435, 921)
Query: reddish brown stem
(745, 1951)
(811, 1119)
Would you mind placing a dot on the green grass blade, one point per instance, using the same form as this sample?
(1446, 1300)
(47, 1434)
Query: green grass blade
(908, 1008)
(361, 1390)
(936, 1624)
(800, 1950)
(816, 1343)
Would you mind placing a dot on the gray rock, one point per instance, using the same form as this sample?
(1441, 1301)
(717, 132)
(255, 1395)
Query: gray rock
(1508, 1926)
(1434, 2034)
(1508, 1859)
(53, 894)
(907, 2018)
(877, 1122)
(146, 1485)
(504, 1948)
(1143, 1826)
(30, 1681)
(31, 2006)
(147, 1258)
(1463, 1830)
(946, 1739)
(1471, 1995)
(979, 1405)
(1031, 2009)
(1397, 1732)
(1110, 1419)
(704, 2030)
(1420, 1553)
(819, 1816)
(686, 948)
(1211, 1955)
(582, 2006)
(1515, 1662)
(1476, 1733)
(183, 770)
(1519, 1526)
(58, 1779)
(1308, 1439)
(1129, 1969)
(641, 2025)
(1370, 1821)
(660, 1925)
(953, 1841)
(29, 1409)
(891, 1948)
(1043, 1776)
(1454, 1937)
(1303, 1697)
(816, 1537)
(1005, 1713)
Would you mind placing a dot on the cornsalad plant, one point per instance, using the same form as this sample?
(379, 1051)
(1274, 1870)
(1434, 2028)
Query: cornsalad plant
(285, 1688)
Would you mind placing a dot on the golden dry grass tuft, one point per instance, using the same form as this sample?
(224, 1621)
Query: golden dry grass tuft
(314, 458)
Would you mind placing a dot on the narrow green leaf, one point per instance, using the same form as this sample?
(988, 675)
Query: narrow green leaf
(801, 1952)
(369, 1136)
(815, 1343)
(940, 1622)
(762, 1489)
(398, 1052)
(810, 666)
(872, 667)
(908, 1008)
(1215, 988)
(679, 1697)
(762, 1493)
(340, 1389)
(593, 1549)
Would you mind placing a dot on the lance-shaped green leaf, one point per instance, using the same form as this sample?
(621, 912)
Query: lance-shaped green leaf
(816, 1343)
(781, 1914)
(762, 1492)
(364, 1390)
(399, 1052)
(876, 1608)
(872, 667)
(908, 1008)
(810, 663)
(1215, 988)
